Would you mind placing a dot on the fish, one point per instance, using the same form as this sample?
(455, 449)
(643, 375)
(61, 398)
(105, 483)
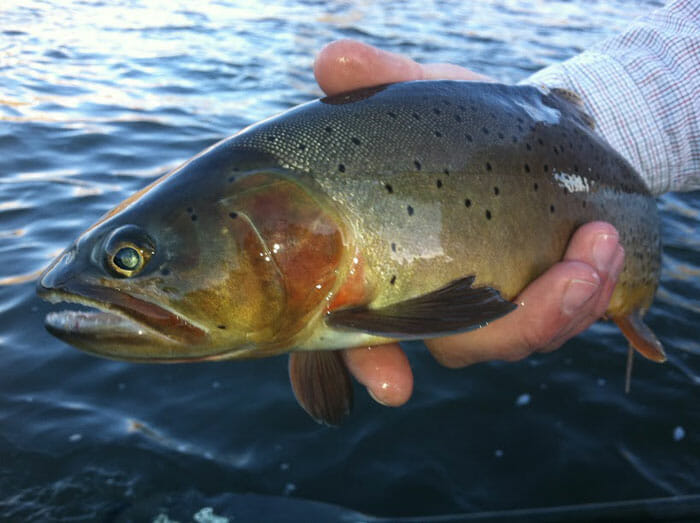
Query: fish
(398, 212)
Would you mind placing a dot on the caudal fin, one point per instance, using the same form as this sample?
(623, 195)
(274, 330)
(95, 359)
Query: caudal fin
(640, 336)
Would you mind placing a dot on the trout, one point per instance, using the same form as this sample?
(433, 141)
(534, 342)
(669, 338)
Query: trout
(399, 212)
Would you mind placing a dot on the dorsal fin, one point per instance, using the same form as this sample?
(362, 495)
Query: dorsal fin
(575, 101)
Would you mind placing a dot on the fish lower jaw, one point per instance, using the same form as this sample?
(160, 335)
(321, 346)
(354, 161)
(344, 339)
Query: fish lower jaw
(97, 329)
(85, 322)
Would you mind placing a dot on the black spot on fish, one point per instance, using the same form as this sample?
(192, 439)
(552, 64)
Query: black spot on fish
(535, 186)
(356, 141)
(417, 164)
(389, 188)
(270, 138)
(393, 247)
(539, 141)
(467, 203)
(488, 214)
(233, 215)
(528, 147)
(461, 108)
(391, 114)
(438, 134)
(165, 271)
(437, 111)
(583, 204)
(410, 210)
(302, 146)
(416, 116)
(329, 129)
(458, 118)
(439, 183)
(446, 102)
(496, 191)
(514, 139)
(527, 168)
(556, 151)
(222, 327)
(520, 120)
(488, 166)
(500, 135)
(190, 210)
(575, 168)
(469, 137)
(393, 279)
(551, 209)
(341, 167)
(231, 179)
(194, 217)
(545, 168)
(484, 130)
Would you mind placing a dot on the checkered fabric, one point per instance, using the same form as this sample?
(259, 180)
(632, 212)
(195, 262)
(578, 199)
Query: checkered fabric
(642, 87)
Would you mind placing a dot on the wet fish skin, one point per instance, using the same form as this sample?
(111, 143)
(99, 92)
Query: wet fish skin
(406, 199)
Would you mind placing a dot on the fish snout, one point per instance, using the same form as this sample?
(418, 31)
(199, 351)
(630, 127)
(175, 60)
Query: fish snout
(58, 273)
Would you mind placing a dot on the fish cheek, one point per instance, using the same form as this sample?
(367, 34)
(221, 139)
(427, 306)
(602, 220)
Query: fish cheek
(240, 293)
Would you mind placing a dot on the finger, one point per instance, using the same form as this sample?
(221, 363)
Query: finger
(559, 304)
(344, 65)
(384, 370)
(596, 244)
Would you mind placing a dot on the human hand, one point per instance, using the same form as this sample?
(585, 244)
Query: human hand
(560, 304)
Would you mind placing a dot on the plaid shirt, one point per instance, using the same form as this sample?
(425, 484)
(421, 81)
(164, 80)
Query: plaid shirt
(642, 87)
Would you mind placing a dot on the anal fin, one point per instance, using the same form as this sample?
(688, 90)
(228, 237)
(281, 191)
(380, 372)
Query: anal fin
(640, 336)
(457, 307)
(321, 384)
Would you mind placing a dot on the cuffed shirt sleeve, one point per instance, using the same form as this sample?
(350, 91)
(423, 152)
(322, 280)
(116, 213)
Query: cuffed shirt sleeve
(642, 87)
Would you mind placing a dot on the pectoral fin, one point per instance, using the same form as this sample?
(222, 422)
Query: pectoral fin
(457, 307)
(640, 336)
(321, 384)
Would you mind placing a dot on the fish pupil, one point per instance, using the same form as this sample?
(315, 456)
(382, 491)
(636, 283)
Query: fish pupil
(127, 258)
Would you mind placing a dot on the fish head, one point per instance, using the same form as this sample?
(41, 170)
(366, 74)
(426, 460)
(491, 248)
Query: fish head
(201, 265)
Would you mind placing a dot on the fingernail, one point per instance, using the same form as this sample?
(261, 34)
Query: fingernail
(604, 251)
(618, 263)
(577, 293)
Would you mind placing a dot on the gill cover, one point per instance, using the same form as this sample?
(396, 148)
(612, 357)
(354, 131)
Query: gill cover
(294, 245)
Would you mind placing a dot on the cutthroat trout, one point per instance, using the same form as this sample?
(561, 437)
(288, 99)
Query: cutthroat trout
(398, 212)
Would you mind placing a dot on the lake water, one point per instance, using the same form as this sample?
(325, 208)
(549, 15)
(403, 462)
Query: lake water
(99, 98)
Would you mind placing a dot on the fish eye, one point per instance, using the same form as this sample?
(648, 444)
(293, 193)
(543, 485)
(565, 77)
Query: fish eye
(128, 259)
(128, 250)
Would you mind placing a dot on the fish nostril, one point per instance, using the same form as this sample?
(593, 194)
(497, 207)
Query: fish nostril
(57, 273)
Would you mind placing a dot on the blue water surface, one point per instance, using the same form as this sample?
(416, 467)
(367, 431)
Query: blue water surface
(99, 98)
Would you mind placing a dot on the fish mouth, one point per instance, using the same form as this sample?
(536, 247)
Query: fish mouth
(120, 326)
